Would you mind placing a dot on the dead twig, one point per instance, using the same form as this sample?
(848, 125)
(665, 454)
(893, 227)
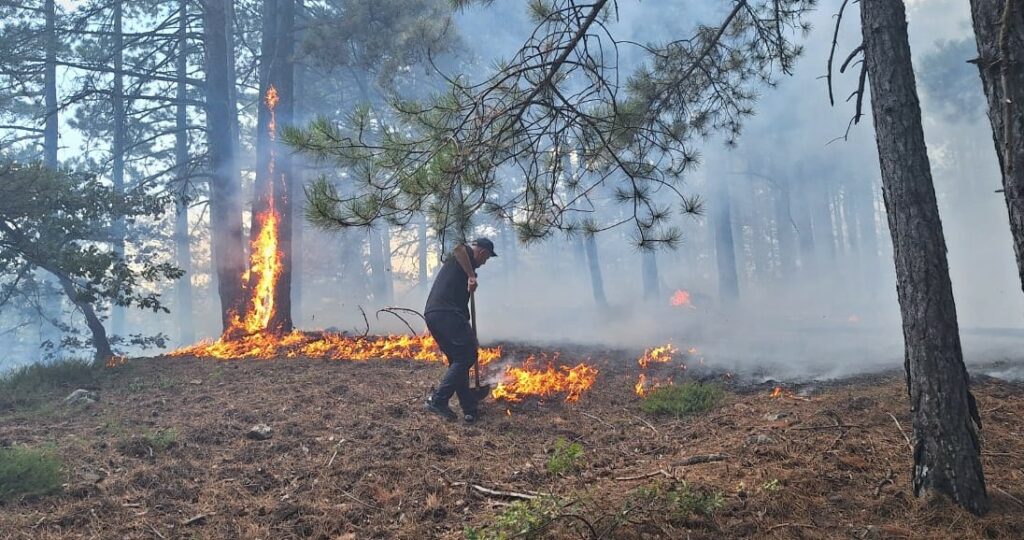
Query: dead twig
(781, 525)
(358, 500)
(648, 424)
(365, 320)
(499, 493)
(696, 460)
(391, 310)
(596, 418)
(898, 426)
(155, 531)
(886, 480)
(1012, 498)
(330, 461)
(812, 428)
(661, 472)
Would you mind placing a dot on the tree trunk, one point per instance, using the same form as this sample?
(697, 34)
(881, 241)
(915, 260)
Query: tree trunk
(594, 265)
(804, 229)
(650, 274)
(421, 253)
(377, 270)
(225, 204)
(273, 161)
(946, 423)
(99, 334)
(785, 231)
(999, 33)
(824, 227)
(118, 149)
(389, 279)
(301, 115)
(183, 252)
(725, 249)
(50, 88)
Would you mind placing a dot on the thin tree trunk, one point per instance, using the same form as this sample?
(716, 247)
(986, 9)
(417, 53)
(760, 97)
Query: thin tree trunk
(389, 281)
(945, 417)
(594, 265)
(725, 249)
(99, 334)
(999, 32)
(118, 149)
(50, 88)
(183, 252)
(225, 203)
(784, 231)
(421, 252)
(649, 268)
(824, 227)
(377, 270)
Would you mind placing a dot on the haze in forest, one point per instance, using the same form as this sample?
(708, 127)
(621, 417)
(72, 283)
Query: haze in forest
(819, 307)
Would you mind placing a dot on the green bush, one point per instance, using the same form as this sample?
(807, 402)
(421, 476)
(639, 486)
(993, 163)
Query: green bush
(678, 502)
(26, 385)
(566, 456)
(522, 519)
(683, 400)
(161, 439)
(28, 472)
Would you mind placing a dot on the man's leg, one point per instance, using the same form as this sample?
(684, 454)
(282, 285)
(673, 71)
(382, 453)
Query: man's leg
(468, 398)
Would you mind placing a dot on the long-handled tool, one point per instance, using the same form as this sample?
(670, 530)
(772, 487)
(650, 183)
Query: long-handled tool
(482, 391)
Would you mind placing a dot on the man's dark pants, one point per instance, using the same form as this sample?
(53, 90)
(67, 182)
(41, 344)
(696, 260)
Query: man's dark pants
(455, 337)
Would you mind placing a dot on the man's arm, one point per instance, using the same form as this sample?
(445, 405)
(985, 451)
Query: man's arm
(461, 253)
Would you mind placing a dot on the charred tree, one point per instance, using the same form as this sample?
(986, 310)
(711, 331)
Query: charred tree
(225, 203)
(999, 32)
(946, 424)
(183, 252)
(274, 171)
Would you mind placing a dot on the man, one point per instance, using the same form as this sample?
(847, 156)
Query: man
(447, 315)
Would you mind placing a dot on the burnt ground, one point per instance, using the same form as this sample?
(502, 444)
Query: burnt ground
(354, 456)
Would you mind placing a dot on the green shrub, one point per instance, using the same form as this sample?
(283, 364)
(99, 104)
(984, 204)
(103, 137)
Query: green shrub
(27, 385)
(565, 458)
(678, 502)
(683, 400)
(161, 440)
(28, 472)
(522, 519)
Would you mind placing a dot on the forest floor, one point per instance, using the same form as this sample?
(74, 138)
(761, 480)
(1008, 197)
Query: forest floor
(164, 454)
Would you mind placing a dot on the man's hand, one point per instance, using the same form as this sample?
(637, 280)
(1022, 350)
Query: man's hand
(471, 285)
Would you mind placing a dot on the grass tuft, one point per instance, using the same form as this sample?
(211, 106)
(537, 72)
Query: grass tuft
(683, 400)
(26, 386)
(565, 458)
(26, 472)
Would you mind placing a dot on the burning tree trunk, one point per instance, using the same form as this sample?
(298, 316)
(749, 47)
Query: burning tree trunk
(225, 204)
(946, 424)
(999, 31)
(271, 231)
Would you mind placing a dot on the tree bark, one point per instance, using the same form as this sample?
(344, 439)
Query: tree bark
(225, 204)
(183, 252)
(99, 334)
(999, 32)
(377, 270)
(946, 424)
(421, 252)
(725, 248)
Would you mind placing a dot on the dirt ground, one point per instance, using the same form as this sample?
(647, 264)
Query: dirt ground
(353, 455)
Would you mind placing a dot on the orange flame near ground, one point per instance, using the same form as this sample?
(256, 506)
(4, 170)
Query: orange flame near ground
(777, 392)
(654, 355)
(681, 298)
(527, 380)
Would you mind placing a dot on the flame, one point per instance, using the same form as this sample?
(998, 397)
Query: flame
(681, 298)
(657, 355)
(777, 392)
(519, 382)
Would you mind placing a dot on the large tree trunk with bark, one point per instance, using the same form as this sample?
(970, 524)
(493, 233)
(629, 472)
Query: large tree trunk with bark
(183, 252)
(99, 334)
(274, 171)
(225, 203)
(946, 425)
(999, 32)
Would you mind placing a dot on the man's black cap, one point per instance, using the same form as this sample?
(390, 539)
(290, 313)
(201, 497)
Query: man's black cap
(486, 244)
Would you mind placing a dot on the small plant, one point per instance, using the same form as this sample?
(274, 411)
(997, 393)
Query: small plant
(160, 440)
(683, 400)
(772, 485)
(522, 519)
(28, 472)
(565, 458)
(678, 502)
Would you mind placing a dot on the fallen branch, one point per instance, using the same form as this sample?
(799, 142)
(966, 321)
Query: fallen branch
(898, 426)
(596, 418)
(696, 460)
(781, 525)
(499, 493)
(155, 531)
(661, 472)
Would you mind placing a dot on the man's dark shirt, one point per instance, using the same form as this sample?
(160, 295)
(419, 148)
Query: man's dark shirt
(450, 292)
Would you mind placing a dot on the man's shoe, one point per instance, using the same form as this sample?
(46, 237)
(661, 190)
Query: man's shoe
(440, 409)
(470, 418)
